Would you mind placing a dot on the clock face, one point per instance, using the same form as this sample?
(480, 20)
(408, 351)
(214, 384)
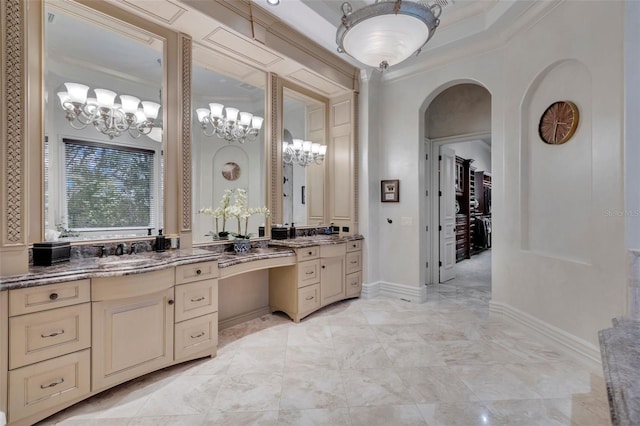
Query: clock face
(558, 123)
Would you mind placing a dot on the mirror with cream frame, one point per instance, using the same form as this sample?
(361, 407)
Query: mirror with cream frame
(222, 160)
(103, 156)
(304, 123)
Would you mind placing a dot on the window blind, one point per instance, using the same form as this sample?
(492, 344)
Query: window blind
(108, 186)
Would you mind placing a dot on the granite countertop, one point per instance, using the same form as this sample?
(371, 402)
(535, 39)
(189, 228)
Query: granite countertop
(620, 349)
(89, 267)
(302, 242)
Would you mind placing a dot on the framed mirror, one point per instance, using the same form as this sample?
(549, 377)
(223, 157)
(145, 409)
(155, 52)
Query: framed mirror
(228, 147)
(304, 149)
(103, 123)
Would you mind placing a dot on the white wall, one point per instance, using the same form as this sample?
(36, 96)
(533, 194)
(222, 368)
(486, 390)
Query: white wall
(479, 151)
(577, 297)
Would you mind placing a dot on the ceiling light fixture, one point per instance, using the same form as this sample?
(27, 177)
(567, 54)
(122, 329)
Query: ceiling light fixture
(387, 32)
(273, 2)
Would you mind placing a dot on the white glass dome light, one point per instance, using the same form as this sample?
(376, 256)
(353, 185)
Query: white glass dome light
(387, 32)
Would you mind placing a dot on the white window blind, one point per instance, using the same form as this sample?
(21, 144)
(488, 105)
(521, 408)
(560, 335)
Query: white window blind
(108, 186)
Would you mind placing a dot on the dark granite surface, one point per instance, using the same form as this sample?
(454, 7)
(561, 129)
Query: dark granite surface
(87, 267)
(302, 242)
(620, 349)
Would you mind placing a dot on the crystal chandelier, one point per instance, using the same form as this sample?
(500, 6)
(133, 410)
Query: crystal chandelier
(387, 32)
(303, 152)
(227, 126)
(104, 114)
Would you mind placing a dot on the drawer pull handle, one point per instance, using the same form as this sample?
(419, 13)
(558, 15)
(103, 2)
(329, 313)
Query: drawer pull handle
(309, 298)
(52, 384)
(198, 272)
(354, 261)
(53, 296)
(354, 283)
(310, 253)
(354, 246)
(170, 301)
(54, 334)
(195, 336)
(198, 299)
(309, 273)
(323, 266)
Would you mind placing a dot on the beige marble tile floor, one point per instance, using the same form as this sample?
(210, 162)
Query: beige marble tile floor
(367, 362)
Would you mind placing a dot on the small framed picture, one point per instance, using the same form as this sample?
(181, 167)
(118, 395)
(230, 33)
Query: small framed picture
(390, 191)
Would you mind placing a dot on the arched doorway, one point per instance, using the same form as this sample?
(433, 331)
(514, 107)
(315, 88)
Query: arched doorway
(457, 132)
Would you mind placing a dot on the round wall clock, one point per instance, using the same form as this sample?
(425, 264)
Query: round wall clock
(559, 122)
(231, 171)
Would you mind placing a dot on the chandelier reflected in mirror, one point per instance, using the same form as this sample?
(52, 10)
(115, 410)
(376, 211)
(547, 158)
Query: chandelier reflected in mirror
(302, 152)
(130, 115)
(232, 125)
(387, 32)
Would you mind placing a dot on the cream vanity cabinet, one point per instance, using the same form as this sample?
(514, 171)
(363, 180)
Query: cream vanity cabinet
(295, 290)
(354, 268)
(332, 273)
(132, 326)
(196, 310)
(49, 348)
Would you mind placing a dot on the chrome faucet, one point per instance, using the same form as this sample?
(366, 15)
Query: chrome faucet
(103, 251)
(119, 250)
(132, 248)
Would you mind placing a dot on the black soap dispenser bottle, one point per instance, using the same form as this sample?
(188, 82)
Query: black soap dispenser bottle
(161, 242)
(292, 230)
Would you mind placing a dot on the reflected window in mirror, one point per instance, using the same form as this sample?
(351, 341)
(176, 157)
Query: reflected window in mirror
(228, 147)
(103, 125)
(303, 152)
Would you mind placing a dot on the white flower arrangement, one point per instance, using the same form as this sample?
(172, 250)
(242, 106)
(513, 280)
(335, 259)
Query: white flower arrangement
(238, 210)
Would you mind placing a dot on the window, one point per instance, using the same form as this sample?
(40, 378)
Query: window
(108, 186)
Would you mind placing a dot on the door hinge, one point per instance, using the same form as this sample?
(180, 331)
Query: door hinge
(427, 192)
(426, 156)
(439, 157)
(440, 193)
(440, 263)
(427, 265)
(427, 228)
(440, 228)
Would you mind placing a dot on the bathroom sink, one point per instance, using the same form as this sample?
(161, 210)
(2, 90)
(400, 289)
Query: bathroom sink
(122, 261)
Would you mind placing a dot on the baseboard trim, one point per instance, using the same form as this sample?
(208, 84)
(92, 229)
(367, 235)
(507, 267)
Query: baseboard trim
(235, 320)
(584, 351)
(397, 291)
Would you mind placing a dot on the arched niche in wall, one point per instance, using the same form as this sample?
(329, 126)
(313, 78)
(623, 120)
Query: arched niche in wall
(548, 208)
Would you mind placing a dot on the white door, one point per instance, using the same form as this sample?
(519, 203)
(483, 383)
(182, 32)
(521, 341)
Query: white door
(447, 214)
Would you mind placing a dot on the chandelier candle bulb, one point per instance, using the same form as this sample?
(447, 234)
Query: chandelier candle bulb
(256, 122)
(216, 110)
(77, 92)
(232, 114)
(129, 103)
(105, 98)
(150, 109)
(245, 118)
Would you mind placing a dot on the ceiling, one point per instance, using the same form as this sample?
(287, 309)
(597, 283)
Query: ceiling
(460, 22)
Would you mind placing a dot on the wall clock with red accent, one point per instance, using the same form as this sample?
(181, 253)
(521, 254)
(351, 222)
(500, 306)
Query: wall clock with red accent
(559, 122)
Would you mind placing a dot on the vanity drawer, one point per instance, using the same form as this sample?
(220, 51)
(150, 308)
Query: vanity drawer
(195, 299)
(354, 262)
(196, 335)
(354, 284)
(308, 299)
(307, 253)
(196, 272)
(134, 285)
(44, 335)
(35, 299)
(333, 250)
(308, 272)
(354, 245)
(47, 384)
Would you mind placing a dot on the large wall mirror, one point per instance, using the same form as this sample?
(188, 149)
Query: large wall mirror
(103, 124)
(228, 145)
(304, 147)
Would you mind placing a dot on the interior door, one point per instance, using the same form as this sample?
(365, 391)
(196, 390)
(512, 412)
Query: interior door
(447, 214)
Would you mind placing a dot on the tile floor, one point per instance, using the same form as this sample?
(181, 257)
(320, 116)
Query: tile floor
(367, 362)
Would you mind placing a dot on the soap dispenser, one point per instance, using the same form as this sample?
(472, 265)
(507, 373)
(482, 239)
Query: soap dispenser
(160, 241)
(292, 230)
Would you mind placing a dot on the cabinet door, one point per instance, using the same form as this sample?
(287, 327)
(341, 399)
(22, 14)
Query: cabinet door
(332, 280)
(131, 337)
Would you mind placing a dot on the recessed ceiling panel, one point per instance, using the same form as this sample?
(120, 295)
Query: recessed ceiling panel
(163, 10)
